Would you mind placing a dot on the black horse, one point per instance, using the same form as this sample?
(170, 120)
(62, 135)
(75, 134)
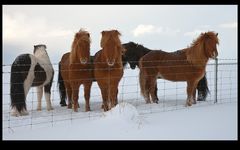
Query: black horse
(135, 51)
(132, 55)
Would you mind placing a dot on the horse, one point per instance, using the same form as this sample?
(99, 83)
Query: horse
(27, 71)
(75, 69)
(135, 51)
(108, 67)
(188, 64)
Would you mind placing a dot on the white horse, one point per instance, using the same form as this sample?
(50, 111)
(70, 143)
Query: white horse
(30, 71)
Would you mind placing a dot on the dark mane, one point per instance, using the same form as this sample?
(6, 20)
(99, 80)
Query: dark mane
(133, 53)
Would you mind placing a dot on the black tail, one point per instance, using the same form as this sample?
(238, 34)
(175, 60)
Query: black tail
(202, 88)
(61, 87)
(19, 73)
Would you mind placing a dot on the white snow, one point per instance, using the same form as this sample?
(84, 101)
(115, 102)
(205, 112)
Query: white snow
(212, 122)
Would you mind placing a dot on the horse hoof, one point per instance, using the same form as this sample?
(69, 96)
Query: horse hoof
(87, 109)
(62, 105)
(148, 102)
(201, 99)
(75, 110)
(51, 108)
(15, 113)
(39, 109)
(69, 106)
(188, 104)
(24, 113)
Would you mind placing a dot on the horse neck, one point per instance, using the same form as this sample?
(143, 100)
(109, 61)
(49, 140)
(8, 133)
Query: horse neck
(142, 51)
(196, 57)
(43, 57)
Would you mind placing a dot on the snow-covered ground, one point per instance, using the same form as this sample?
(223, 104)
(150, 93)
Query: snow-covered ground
(213, 122)
(132, 118)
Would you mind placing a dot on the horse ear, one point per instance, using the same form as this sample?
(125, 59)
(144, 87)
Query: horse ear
(216, 34)
(88, 34)
(103, 32)
(117, 32)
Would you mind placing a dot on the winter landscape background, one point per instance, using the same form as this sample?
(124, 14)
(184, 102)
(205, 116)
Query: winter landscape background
(166, 27)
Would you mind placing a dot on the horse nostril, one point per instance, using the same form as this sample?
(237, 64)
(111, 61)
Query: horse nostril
(110, 62)
(83, 60)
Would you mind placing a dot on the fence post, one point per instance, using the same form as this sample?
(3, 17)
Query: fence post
(216, 76)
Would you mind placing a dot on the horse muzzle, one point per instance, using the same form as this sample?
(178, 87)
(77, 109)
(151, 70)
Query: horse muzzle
(132, 66)
(214, 56)
(83, 61)
(110, 62)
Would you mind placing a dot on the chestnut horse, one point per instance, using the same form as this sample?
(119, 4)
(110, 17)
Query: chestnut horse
(108, 67)
(187, 65)
(135, 51)
(75, 69)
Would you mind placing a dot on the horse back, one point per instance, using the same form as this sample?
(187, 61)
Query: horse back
(171, 66)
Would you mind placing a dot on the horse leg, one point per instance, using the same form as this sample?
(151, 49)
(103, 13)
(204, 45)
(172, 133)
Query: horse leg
(153, 89)
(191, 86)
(147, 91)
(69, 95)
(39, 97)
(87, 91)
(47, 93)
(75, 90)
(104, 92)
(155, 93)
(113, 96)
(194, 96)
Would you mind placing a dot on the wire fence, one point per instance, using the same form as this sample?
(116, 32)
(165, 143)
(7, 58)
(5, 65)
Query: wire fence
(221, 77)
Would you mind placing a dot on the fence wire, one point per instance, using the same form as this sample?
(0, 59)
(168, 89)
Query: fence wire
(172, 96)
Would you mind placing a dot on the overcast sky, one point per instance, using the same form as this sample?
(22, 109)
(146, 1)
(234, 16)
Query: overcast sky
(166, 27)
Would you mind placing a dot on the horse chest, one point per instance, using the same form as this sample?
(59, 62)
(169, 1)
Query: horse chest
(39, 75)
(43, 74)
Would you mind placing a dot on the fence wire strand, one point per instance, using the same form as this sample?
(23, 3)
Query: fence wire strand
(172, 96)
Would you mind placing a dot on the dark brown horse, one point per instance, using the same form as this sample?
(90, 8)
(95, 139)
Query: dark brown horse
(187, 65)
(108, 67)
(75, 69)
(135, 51)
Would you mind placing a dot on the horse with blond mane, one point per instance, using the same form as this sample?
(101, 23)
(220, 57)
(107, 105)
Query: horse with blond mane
(108, 67)
(75, 69)
(187, 65)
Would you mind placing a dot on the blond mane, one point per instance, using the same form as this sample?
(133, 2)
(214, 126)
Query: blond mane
(201, 49)
(78, 44)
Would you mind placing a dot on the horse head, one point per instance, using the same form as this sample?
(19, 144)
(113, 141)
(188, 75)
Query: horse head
(112, 48)
(210, 44)
(81, 47)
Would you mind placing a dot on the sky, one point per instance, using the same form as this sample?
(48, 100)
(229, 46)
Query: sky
(166, 27)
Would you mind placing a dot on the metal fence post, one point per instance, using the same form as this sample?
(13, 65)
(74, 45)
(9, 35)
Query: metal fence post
(216, 76)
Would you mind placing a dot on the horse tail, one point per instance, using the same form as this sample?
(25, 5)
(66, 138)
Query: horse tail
(202, 88)
(61, 87)
(19, 72)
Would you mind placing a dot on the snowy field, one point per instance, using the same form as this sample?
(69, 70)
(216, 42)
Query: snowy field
(132, 118)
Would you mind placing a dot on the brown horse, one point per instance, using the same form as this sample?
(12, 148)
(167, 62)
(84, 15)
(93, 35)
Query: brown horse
(75, 69)
(188, 65)
(108, 67)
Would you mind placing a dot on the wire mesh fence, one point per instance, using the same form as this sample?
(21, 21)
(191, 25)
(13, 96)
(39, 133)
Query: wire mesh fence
(172, 96)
